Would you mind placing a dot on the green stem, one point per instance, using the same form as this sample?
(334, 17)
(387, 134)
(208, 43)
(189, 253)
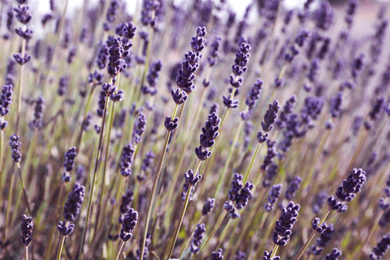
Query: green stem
(154, 189)
(176, 234)
(93, 180)
(274, 251)
(252, 162)
(61, 247)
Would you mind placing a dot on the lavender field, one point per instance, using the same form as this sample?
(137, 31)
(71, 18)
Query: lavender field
(188, 130)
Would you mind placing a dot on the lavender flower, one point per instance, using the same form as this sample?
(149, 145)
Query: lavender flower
(381, 248)
(270, 116)
(217, 255)
(22, 14)
(170, 124)
(63, 84)
(26, 226)
(129, 223)
(139, 128)
(74, 202)
(319, 202)
(335, 104)
(15, 145)
(286, 112)
(198, 236)
(252, 97)
(213, 53)
(334, 255)
(324, 15)
(70, 155)
(324, 239)
(285, 224)
(127, 198)
(273, 197)
(208, 206)
(39, 108)
(5, 99)
(191, 179)
(112, 11)
(293, 187)
(207, 138)
(127, 160)
(239, 67)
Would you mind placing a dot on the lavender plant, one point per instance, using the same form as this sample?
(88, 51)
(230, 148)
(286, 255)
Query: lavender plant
(293, 104)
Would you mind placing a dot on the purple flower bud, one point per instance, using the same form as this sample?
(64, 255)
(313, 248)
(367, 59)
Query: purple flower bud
(196, 242)
(26, 229)
(74, 202)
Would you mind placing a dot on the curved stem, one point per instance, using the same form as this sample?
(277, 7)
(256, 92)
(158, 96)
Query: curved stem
(93, 180)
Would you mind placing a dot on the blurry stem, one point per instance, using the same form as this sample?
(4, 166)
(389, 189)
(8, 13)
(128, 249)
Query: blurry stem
(2, 175)
(172, 246)
(154, 188)
(111, 115)
(9, 203)
(93, 180)
(121, 244)
(19, 100)
(146, 66)
(369, 237)
(26, 252)
(62, 240)
(224, 232)
(214, 231)
(313, 164)
(24, 190)
(183, 212)
(80, 136)
(313, 234)
(227, 162)
(252, 162)
(274, 251)
(56, 43)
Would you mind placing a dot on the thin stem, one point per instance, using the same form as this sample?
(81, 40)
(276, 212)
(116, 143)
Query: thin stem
(9, 203)
(154, 189)
(122, 243)
(24, 190)
(93, 180)
(214, 230)
(26, 252)
(274, 251)
(172, 246)
(313, 234)
(105, 162)
(19, 100)
(61, 247)
(252, 162)
(227, 162)
(225, 231)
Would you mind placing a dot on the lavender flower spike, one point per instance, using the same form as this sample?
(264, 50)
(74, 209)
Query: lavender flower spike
(198, 236)
(285, 223)
(270, 116)
(129, 223)
(26, 228)
(381, 248)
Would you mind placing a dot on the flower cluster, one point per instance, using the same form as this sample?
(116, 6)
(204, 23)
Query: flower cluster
(197, 239)
(285, 224)
(128, 225)
(273, 196)
(27, 228)
(208, 136)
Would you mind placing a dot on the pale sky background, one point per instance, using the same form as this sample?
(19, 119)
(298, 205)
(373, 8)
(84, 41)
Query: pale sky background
(237, 5)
